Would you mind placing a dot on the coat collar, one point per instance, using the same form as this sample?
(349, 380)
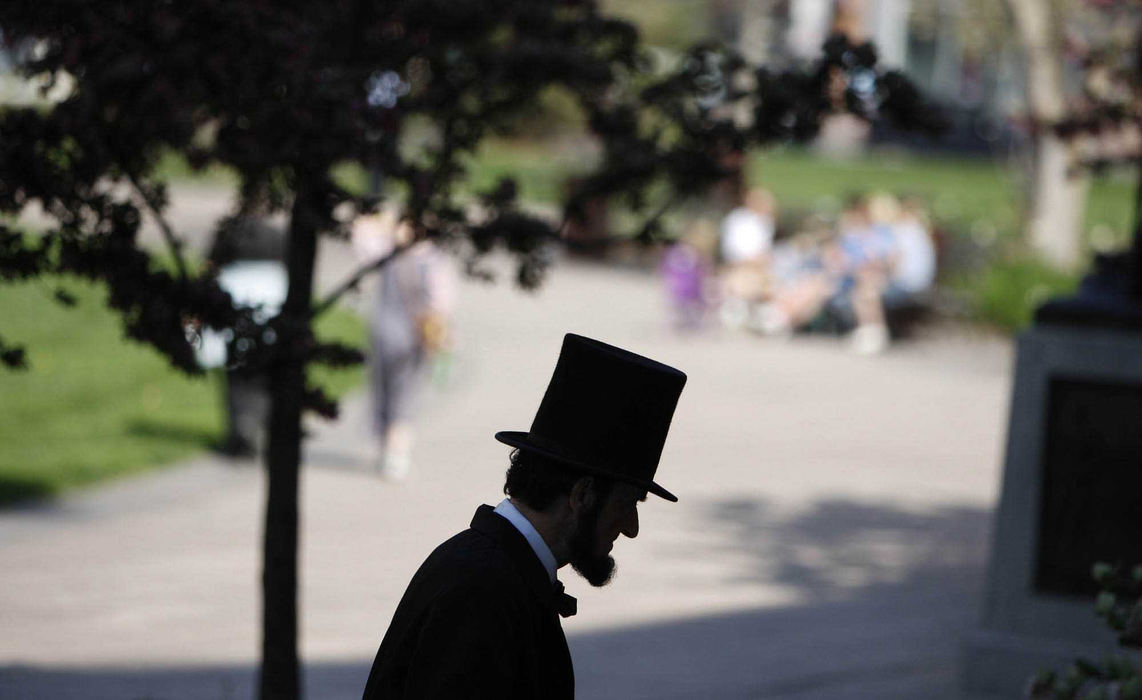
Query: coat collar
(515, 545)
(508, 510)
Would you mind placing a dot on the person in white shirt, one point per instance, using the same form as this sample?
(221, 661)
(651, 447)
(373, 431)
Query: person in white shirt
(747, 231)
(746, 241)
(914, 263)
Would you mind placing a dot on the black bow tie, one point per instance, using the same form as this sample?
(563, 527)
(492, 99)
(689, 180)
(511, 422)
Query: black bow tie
(565, 605)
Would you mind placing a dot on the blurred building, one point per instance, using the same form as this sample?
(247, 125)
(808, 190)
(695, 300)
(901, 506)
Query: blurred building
(965, 54)
(960, 51)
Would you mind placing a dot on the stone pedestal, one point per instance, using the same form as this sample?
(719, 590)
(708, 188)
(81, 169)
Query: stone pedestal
(1072, 495)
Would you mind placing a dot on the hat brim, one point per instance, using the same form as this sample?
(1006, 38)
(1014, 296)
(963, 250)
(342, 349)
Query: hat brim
(522, 440)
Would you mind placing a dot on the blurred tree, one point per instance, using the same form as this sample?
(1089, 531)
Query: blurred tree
(1058, 193)
(1075, 92)
(283, 92)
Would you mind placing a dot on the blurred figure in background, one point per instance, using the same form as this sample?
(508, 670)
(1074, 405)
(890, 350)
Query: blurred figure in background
(880, 259)
(907, 273)
(825, 295)
(247, 254)
(869, 246)
(746, 239)
(687, 269)
(915, 258)
(410, 326)
(805, 270)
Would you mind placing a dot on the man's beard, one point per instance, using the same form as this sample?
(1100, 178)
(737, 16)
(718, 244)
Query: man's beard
(598, 570)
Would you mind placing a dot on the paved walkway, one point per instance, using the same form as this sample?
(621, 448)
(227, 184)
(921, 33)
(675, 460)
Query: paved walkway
(829, 541)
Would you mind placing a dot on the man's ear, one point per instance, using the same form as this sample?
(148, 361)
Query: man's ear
(583, 494)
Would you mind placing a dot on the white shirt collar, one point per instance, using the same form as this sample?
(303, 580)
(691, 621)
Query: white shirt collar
(521, 523)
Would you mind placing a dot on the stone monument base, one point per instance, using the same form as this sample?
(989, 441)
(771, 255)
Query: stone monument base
(1072, 495)
(1001, 665)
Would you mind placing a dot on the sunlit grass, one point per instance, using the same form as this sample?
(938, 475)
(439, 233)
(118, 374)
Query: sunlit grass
(958, 190)
(1007, 292)
(541, 171)
(172, 167)
(965, 194)
(93, 405)
(975, 202)
(675, 25)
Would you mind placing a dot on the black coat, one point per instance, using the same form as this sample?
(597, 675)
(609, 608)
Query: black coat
(478, 620)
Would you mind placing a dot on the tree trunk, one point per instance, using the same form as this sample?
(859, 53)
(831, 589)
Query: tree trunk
(755, 30)
(808, 27)
(1058, 198)
(281, 674)
(1136, 245)
(888, 20)
(1058, 191)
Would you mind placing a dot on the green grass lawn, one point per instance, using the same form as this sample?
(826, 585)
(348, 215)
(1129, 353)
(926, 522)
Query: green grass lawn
(957, 189)
(93, 405)
(975, 201)
(966, 194)
(969, 195)
(540, 171)
(976, 196)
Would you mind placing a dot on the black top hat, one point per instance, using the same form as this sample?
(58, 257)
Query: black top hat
(606, 412)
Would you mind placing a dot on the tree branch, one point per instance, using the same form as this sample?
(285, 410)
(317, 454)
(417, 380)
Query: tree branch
(355, 279)
(173, 242)
(651, 221)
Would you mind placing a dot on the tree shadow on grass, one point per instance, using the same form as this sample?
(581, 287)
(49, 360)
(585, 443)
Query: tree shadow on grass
(174, 433)
(23, 490)
(17, 490)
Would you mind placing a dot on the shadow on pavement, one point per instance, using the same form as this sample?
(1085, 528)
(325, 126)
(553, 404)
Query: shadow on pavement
(322, 680)
(885, 596)
(838, 546)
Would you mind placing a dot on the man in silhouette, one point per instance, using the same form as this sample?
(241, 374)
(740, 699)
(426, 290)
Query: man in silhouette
(480, 618)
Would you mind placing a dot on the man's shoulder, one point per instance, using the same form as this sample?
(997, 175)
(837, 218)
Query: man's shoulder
(471, 546)
(472, 559)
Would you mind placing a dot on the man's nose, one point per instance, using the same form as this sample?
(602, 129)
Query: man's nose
(630, 527)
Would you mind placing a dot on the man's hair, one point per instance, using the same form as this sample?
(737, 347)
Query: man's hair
(538, 481)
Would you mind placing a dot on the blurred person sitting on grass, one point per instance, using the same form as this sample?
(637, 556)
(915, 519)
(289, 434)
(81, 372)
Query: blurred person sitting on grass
(746, 239)
(903, 270)
(825, 290)
(881, 257)
(869, 245)
(802, 278)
